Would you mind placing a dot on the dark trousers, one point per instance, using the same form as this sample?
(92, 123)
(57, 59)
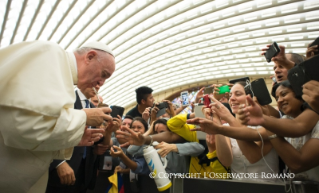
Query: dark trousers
(78, 187)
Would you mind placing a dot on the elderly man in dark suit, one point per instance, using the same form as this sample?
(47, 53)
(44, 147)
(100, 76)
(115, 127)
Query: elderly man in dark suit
(79, 173)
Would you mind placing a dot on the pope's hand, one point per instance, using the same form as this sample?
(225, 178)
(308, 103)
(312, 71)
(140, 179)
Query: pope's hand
(96, 116)
(66, 174)
(90, 136)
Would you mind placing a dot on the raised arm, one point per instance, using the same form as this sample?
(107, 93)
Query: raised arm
(298, 161)
(126, 160)
(280, 58)
(190, 148)
(301, 125)
(133, 138)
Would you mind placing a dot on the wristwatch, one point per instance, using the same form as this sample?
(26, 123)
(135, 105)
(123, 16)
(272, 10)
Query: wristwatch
(272, 136)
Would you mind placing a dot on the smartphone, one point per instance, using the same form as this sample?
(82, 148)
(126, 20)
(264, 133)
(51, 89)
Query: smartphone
(244, 79)
(162, 108)
(260, 91)
(162, 105)
(208, 90)
(184, 96)
(207, 101)
(117, 110)
(316, 42)
(272, 51)
(302, 73)
(223, 89)
(198, 113)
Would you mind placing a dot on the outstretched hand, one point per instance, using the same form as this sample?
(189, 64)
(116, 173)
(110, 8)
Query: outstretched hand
(200, 94)
(131, 137)
(90, 136)
(280, 58)
(220, 110)
(119, 152)
(206, 125)
(250, 115)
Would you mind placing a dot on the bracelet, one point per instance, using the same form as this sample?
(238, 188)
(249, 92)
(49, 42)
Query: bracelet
(151, 140)
(272, 136)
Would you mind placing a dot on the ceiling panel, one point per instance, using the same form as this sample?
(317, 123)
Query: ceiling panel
(166, 44)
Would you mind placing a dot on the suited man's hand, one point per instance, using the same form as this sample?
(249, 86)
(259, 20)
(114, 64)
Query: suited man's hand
(66, 174)
(100, 149)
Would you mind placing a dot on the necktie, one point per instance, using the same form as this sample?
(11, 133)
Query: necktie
(86, 106)
(87, 103)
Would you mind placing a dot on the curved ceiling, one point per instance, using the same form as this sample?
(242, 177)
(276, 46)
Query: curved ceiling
(168, 43)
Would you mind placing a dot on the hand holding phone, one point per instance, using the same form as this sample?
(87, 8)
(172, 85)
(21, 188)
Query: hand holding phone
(223, 89)
(207, 101)
(209, 90)
(272, 51)
(117, 110)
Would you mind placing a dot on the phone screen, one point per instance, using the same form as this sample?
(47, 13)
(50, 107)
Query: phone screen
(185, 99)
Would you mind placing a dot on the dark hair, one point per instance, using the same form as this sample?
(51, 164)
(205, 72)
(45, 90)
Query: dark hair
(140, 119)
(243, 83)
(128, 117)
(296, 58)
(160, 121)
(228, 107)
(285, 84)
(247, 87)
(142, 92)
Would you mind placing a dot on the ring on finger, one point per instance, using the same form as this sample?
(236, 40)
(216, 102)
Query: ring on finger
(104, 123)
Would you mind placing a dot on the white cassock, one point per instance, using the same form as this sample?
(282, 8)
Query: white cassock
(37, 119)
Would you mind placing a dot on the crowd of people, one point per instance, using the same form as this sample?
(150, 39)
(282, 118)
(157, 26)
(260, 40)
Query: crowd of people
(61, 140)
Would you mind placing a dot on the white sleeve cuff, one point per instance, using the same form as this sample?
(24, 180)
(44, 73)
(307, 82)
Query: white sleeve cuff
(60, 164)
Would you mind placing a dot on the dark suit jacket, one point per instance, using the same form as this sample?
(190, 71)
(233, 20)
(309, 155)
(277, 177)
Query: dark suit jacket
(85, 172)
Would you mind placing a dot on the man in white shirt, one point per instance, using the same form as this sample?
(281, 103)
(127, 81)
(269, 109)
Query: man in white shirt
(37, 119)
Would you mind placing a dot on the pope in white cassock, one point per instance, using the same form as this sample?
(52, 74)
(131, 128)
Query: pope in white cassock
(37, 119)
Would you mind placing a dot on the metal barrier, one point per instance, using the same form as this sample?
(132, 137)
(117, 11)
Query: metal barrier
(224, 186)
